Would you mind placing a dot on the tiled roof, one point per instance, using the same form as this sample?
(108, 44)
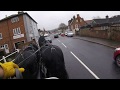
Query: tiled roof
(101, 21)
(114, 19)
(14, 15)
(89, 21)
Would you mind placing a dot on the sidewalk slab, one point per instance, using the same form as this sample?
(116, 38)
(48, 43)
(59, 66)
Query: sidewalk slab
(105, 42)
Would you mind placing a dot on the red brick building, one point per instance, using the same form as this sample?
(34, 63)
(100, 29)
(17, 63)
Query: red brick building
(13, 31)
(75, 23)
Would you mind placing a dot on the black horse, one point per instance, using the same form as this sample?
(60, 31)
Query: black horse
(46, 62)
(28, 59)
(53, 59)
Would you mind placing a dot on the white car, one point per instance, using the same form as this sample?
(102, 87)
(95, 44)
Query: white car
(46, 35)
(65, 33)
(70, 34)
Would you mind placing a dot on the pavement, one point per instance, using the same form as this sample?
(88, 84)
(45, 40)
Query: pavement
(105, 42)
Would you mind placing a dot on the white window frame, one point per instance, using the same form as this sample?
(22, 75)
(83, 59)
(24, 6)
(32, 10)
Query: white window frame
(76, 20)
(15, 19)
(76, 25)
(2, 47)
(1, 36)
(71, 26)
(80, 20)
(6, 46)
(16, 31)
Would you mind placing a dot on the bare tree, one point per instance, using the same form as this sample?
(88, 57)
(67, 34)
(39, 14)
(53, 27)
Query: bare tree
(62, 27)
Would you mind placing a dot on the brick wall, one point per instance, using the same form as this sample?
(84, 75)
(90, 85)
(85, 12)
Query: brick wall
(6, 28)
(112, 35)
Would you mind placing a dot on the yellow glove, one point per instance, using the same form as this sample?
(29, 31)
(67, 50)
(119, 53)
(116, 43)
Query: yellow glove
(9, 69)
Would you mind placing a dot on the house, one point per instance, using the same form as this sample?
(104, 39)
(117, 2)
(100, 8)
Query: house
(75, 23)
(87, 26)
(106, 23)
(16, 29)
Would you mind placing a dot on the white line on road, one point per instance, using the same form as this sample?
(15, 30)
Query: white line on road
(85, 65)
(62, 43)
(59, 40)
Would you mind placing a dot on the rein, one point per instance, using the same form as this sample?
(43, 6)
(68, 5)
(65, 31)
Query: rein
(26, 58)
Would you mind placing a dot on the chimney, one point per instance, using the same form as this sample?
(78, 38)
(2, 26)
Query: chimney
(107, 17)
(73, 17)
(19, 12)
(69, 22)
(78, 15)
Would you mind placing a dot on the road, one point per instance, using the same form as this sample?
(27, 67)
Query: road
(86, 60)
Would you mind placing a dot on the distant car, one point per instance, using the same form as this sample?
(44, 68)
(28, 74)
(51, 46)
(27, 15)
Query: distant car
(46, 35)
(48, 39)
(62, 34)
(56, 36)
(70, 34)
(65, 33)
(117, 56)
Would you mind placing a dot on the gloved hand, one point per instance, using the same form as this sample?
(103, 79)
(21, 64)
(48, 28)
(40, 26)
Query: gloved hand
(9, 69)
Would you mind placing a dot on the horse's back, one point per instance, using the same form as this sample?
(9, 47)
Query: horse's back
(54, 60)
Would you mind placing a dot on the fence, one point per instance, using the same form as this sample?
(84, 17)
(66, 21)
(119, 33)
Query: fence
(4, 58)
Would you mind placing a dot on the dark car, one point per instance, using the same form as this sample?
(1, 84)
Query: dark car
(56, 36)
(117, 56)
(48, 39)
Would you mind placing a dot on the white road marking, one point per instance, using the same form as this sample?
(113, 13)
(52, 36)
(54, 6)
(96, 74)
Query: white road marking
(81, 62)
(85, 65)
(59, 40)
(62, 43)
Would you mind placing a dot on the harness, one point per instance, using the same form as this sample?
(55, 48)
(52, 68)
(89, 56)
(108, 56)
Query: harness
(41, 65)
(24, 59)
(53, 50)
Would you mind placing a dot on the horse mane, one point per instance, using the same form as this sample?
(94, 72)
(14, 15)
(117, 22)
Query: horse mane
(27, 58)
(53, 58)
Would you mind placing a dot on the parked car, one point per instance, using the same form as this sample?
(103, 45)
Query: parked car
(117, 56)
(56, 36)
(65, 33)
(48, 39)
(62, 34)
(70, 34)
(46, 35)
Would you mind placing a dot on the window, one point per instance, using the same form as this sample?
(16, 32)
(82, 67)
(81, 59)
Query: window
(0, 35)
(15, 19)
(76, 26)
(2, 47)
(80, 20)
(76, 20)
(6, 46)
(17, 31)
(71, 26)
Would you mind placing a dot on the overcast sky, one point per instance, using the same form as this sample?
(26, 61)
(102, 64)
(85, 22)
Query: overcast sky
(51, 19)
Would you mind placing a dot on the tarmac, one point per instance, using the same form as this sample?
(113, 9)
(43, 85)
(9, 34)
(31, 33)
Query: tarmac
(105, 42)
